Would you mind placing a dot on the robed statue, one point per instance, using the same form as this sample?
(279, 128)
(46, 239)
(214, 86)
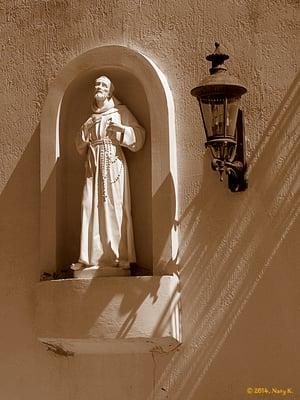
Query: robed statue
(106, 229)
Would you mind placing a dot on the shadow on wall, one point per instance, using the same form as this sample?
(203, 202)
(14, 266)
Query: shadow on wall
(19, 238)
(164, 201)
(230, 241)
(19, 217)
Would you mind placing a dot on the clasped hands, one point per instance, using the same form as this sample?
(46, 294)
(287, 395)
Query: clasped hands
(115, 130)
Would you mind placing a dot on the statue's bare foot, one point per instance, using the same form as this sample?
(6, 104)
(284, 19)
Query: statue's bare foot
(77, 266)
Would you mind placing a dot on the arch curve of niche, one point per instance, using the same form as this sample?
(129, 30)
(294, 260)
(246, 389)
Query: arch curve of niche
(153, 179)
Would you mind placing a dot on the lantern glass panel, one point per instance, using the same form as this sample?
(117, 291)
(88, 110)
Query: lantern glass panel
(231, 116)
(212, 110)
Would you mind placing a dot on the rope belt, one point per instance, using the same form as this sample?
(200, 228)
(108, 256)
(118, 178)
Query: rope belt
(103, 141)
(106, 161)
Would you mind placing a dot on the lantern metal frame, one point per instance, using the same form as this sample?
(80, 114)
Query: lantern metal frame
(228, 150)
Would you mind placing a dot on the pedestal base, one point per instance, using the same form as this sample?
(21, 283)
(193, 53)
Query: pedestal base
(111, 315)
(95, 272)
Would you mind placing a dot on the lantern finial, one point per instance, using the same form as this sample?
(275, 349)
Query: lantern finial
(217, 59)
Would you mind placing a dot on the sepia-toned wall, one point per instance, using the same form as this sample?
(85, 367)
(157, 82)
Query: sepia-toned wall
(238, 253)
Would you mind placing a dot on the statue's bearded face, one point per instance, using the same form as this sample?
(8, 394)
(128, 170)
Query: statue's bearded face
(102, 89)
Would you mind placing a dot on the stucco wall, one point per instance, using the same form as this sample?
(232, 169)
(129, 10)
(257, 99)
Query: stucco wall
(238, 252)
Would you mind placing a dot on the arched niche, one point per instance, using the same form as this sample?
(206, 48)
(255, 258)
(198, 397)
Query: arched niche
(143, 88)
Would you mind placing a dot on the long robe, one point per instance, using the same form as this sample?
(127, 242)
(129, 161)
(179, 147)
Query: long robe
(106, 231)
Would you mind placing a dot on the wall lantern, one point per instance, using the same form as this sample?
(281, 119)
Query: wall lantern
(219, 95)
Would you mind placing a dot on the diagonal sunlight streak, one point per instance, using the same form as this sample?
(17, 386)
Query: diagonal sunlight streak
(227, 256)
(214, 318)
(167, 314)
(293, 216)
(236, 311)
(221, 257)
(207, 326)
(284, 113)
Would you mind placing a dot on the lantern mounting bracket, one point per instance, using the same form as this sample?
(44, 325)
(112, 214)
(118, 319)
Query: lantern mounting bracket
(237, 181)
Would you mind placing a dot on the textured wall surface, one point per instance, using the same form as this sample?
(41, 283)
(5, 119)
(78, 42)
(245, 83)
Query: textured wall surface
(238, 252)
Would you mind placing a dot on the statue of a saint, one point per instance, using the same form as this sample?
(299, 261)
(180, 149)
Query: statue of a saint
(106, 232)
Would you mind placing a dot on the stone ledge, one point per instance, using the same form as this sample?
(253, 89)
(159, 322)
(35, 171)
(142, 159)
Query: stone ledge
(109, 315)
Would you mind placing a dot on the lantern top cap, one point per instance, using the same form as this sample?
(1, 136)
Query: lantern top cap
(217, 59)
(219, 83)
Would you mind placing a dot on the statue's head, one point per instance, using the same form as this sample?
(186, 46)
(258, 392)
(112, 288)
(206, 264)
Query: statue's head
(103, 89)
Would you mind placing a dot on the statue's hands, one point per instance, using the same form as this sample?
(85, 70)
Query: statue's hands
(113, 128)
